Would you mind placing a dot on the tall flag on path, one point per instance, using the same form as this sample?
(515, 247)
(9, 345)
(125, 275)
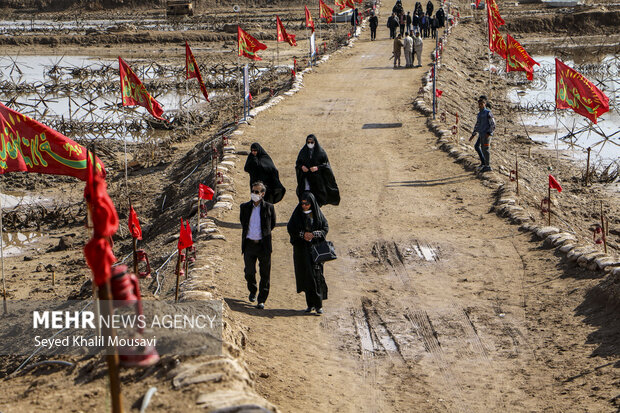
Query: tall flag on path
(574, 91)
(205, 192)
(283, 36)
(494, 13)
(248, 45)
(309, 21)
(134, 93)
(193, 71)
(325, 11)
(517, 59)
(30, 146)
(497, 43)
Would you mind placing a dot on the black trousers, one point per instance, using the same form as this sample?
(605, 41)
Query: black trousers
(255, 251)
(373, 33)
(392, 32)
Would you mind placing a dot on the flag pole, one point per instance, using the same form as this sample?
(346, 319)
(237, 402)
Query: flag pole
(549, 208)
(4, 305)
(277, 53)
(198, 222)
(178, 270)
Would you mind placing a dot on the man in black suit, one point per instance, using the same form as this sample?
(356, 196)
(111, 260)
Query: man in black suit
(258, 219)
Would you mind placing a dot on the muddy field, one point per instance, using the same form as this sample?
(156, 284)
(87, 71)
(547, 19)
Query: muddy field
(165, 166)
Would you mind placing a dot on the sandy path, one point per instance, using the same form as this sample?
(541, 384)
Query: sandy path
(481, 320)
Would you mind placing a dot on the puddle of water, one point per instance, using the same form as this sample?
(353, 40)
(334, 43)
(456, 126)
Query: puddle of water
(541, 94)
(39, 25)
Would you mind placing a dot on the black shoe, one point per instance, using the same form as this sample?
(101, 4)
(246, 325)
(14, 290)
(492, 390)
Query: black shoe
(252, 297)
(260, 306)
(309, 310)
(486, 169)
(319, 311)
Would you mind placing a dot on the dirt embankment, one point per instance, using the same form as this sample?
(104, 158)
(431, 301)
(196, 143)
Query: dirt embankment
(577, 24)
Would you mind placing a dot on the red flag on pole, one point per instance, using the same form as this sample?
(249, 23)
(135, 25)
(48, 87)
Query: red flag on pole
(497, 43)
(309, 21)
(98, 251)
(325, 11)
(574, 91)
(134, 93)
(349, 3)
(185, 239)
(204, 192)
(193, 71)
(554, 184)
(517, 59)
(134, 224)
(494, 13)
(248, 45)
(30, 146)
(283, 36)
(438, 92)
(341, 3)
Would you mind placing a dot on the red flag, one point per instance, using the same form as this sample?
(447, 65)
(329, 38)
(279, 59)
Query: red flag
(134, 224)
(497, 43)
(204, 192)
(98, 251)
(325, 11)
(309, 21)
(341, 3)
(477, 3)
(248, 45)
(283, 36)
(493, 13)
(517, 59)
(349, 3)
(193, 71)
(438, 92)
(30, 146)
(185, 239)
(574, 91)
(134, 93)
(553, 184)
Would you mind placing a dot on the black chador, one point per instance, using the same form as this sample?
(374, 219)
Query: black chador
(261, 168)
(321, 182)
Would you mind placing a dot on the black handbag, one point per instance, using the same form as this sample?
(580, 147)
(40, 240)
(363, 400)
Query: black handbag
(323, 251)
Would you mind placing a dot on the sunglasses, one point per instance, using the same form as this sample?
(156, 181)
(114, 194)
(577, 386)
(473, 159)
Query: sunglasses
(256, 192)
(304, 203)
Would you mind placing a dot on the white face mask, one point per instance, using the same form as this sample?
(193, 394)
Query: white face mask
(255, 197)
(308, 211)
(310, 145)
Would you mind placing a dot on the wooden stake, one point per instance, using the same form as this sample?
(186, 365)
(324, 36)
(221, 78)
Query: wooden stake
(176, 293)
(549, 209)
(186, 262)
(135, 257)
(588, 167)
(517, 172)
(105, 297)
(53, 278)
(199, 212)
(529, 153)
(603, 228)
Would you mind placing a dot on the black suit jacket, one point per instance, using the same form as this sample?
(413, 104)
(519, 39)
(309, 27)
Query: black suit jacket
(267, 222)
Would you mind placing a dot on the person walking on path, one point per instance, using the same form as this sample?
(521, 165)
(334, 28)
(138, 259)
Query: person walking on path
(408, 46)
(418, 43)
(401, 22)
(429, 8)
(434, 26)
(398, 45)
(354, 16)
(258, 219)
(314, 173)
(307, 226)
(415, 22)
(485, 126)
(408, 17)
(425, 26)
(392, 24)
(373, 22)
(261, 168)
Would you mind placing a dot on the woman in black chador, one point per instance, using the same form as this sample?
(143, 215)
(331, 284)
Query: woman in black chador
(314, 173)
(307, 226)
(261, 168)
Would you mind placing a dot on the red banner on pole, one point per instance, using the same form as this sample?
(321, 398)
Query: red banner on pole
(309, 21)
(497, 44)
(574, 91)
(325, 11)
(193, 71)
(494, 13)
(185, 236)
(248, 45)
(204, 192)
(283, 36)
(517, 59)
(554, 184)
(29, 146)
(134, 224)
(341, 3)
(134, 93)
(349, 3)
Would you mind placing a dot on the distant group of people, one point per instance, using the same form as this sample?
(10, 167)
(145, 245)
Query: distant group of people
(419, 22)
(316, 186)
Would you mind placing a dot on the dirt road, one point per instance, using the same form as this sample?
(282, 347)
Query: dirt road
(435, 304)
